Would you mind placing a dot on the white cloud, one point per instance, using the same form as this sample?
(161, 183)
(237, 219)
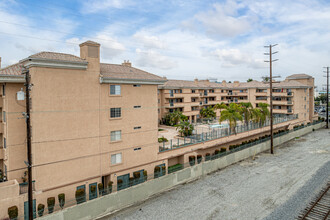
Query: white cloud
(154, 59)
(234, 58)
(148, 41)
(223, 20)
(94, 6)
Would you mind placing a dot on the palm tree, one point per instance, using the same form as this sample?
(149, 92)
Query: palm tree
(185, 128)
(247, 112)
(220, 106)
(174, 118)
(207, 112)
(264, 112)
(232, 113)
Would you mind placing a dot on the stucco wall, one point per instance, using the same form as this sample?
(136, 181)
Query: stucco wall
(139, 193)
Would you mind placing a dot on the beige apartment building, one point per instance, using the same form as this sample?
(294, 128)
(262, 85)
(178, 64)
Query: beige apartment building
(94, 122)
(294, 95)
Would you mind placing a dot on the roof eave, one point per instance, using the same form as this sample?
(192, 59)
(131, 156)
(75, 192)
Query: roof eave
(104, 80)
(62, 64)
(12, 79)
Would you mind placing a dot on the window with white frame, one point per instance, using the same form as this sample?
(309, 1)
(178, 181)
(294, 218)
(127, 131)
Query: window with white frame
(116, 158)
(115, 90)
(115, 136)
(115, 112)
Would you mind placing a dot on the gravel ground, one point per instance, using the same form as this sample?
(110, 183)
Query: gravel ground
(269, 187)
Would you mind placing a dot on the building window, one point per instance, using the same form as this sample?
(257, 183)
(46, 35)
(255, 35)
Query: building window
(138, 127)
(4, 116)
(116, 158)
(305, 98)
(115, 136)
(158, 100)
(115, 112)
(138, 148)
(136, 85)
(115, 90)
(305, 106)
(4, 143)
(3, 89)
(137, 106)
(158, 111)
(193, 91)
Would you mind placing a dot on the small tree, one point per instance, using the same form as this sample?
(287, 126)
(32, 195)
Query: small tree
(207, 112)
(232, 113)
(249, 80)
(51, 204)
(61, 200)
(13, 212)
(41, 208)
(185, 128)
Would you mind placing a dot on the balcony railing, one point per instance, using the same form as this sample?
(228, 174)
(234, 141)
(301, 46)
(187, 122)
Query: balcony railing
(216, 133)
(23, 187)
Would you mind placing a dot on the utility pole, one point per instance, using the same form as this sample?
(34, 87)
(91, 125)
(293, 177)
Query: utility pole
(28, 134)
(271, 93)
(327, 109)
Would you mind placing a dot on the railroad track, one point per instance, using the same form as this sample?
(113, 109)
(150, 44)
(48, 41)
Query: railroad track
(319, 208)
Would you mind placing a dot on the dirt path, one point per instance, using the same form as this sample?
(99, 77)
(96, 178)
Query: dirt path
(252, 189)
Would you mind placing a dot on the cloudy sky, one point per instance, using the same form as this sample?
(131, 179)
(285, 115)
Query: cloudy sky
(179, 39)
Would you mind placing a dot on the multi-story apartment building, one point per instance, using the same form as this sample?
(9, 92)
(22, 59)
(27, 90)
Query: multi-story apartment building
(87, 120)
(94, 122)
(294, 95)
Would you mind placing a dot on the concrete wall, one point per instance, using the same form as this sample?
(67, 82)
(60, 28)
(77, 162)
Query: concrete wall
(141, 192)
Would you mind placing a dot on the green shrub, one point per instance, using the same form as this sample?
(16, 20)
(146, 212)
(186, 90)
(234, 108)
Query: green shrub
(93, 189)
(51, 204)
(136, 175)
(100, 186)
(223, 149)
(145, 175)
(162, 139)
(110, 183)
(41, 208)
(174, 168)
(80, 196)
(157, 169)
(13, 212)
(216, 152)
(199, 158)
(192, 160)
(131, 181)
(61, 200)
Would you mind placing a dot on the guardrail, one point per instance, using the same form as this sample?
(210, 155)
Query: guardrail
(217, 133)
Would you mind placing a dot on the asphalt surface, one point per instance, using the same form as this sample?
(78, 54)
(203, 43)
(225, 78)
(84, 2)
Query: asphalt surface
(269, 187)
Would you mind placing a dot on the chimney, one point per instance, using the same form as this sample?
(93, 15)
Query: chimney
(90, 49)
(126, 63)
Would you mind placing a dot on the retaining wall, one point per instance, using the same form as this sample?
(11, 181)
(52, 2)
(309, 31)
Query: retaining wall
(124, 198)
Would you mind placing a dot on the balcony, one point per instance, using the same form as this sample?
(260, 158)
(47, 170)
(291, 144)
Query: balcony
(280, 111)
(290, 111)
(261, 94)
(283, 94)
(174, 104)
(290, 102)
(280, 102)
(174, 95)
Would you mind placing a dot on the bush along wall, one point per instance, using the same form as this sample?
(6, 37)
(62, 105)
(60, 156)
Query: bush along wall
(80, 196)
(192, 160)
(145, 175)
(61, 199)
(41, 208)
(101, 188)
(13, 212)
(207, 156)
(199, 158)
(110, 183)
(51, 204)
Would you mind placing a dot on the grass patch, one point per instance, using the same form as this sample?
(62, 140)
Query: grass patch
(160, 129)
